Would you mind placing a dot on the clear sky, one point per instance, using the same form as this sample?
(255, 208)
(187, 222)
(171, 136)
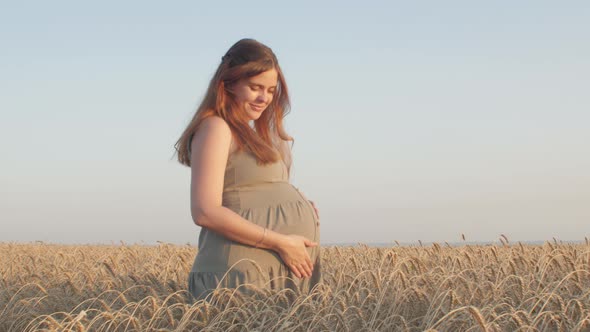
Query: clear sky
(413, 120)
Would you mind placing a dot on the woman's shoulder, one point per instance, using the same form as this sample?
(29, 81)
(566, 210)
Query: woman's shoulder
(216, 123)
(218, 127)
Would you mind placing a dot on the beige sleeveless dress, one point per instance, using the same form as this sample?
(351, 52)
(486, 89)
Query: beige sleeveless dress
(264, 196)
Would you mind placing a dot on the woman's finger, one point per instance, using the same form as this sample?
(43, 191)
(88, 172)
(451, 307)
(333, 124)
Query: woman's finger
(305, 268)
(309, 243)
(295, 271)
(301, 272)
(317, 212)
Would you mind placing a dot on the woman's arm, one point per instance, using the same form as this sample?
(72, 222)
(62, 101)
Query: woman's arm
(209, 153)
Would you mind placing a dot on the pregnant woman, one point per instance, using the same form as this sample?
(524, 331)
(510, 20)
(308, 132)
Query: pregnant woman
(256, 228)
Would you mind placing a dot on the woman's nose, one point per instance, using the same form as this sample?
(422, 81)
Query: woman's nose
(264, 97)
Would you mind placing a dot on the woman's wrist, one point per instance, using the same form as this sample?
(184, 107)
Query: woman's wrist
(257, 245)
(273, 240)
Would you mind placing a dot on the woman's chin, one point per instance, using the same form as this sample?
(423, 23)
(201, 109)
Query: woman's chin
(254, 115)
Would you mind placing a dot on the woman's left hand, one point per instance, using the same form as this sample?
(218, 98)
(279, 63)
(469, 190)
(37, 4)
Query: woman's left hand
(317, 213)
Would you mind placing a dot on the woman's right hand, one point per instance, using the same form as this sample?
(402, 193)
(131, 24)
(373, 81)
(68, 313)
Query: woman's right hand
(293, 253)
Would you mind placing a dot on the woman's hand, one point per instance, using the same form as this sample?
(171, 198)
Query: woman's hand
(317, 213)
(293, 253)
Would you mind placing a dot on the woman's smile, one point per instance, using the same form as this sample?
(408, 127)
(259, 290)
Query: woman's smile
(257, 108)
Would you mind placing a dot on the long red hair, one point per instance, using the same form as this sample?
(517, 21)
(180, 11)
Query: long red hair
(244, 59)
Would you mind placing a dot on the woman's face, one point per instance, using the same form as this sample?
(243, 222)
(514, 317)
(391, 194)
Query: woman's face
(254, 94)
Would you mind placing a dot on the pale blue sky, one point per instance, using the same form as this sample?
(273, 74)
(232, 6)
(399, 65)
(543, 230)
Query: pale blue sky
(413, 120)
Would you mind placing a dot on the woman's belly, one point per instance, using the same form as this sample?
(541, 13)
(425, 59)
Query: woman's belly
(275, 205)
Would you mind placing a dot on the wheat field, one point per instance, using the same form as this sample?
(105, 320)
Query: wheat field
(503, 287)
